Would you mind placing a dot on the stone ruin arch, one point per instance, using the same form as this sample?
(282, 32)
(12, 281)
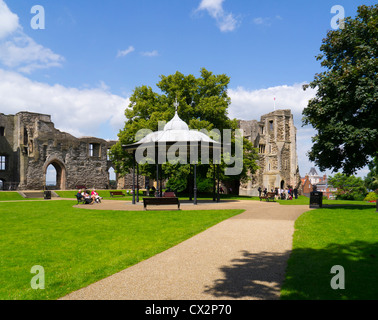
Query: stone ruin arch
(60, 168)
(30, 143)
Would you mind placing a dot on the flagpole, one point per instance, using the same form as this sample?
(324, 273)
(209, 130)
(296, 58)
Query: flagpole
(274, 103)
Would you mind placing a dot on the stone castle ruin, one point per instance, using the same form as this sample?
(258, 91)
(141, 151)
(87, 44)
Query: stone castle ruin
(276, 138)
(29, 144)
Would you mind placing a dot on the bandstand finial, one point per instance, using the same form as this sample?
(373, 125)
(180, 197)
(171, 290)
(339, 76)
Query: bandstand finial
(176, 104)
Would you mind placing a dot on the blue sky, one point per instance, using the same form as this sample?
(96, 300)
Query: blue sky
(91, 55)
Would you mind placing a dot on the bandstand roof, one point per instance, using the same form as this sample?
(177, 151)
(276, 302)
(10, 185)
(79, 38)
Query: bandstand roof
(175, 131)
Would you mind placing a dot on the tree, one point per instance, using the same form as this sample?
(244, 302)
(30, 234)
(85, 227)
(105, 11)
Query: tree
(344, 110)
(348, 187)
(371, 180)
(203, 104)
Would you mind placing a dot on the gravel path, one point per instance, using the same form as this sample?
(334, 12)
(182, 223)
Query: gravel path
(243, 257)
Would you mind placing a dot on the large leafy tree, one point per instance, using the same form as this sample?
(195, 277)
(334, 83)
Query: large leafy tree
(348, 187)
(344, 111)
(371, 180)
(203, 104)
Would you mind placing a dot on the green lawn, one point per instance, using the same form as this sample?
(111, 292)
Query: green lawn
(77, 247)
(302, 200)
(345, 236)
(10, 196)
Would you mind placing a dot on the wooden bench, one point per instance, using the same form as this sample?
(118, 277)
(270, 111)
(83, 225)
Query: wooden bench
(116, 193)
(161, 202)
(169, 194)
(269, 196)
(79, 199)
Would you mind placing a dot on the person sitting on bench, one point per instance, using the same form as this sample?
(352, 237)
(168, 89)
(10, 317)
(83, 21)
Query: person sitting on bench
(79, 195)
(87, 197)
(95, 197)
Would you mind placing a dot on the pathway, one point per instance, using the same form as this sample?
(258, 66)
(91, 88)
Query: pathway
(243, 257)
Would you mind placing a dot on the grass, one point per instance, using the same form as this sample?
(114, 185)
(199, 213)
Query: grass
(10, 196)
(345, 236)
(302, 200)
(77, 247)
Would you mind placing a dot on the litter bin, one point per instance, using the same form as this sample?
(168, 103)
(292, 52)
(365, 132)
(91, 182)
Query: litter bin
(316, 199)
(47, 195)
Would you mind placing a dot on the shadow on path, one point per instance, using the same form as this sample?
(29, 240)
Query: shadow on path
(255, 276)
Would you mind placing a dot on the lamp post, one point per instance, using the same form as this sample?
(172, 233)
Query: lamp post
(195, 184)
(133, 188)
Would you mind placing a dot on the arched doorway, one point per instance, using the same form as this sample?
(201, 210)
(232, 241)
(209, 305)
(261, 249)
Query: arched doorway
(51, 175)
(112, 176)
(55, 173)
(282, 184)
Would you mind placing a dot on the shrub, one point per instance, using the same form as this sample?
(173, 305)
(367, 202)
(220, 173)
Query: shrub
(371, 196)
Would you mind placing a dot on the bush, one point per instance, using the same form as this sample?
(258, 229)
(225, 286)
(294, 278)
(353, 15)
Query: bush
(371, 196)
(205, 185)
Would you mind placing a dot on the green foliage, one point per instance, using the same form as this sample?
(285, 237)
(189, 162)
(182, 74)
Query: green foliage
(344, 111)
(203, 104)
(205, 185)
(371, 180)
(371, 196)
(177, 174)
(348, 187)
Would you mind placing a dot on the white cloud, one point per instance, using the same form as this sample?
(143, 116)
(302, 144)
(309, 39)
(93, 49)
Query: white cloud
(20, 52)
(225, 21)
(267, 21)
(81, 112)
(258, 20)
(252, 104)
(153, 53)
(8, 20)
(24, 54)
(125, 52)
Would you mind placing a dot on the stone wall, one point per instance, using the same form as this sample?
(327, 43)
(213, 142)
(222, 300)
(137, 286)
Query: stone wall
(31, 144)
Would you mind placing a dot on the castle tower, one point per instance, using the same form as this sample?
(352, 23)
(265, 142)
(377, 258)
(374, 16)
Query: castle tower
(275, 137)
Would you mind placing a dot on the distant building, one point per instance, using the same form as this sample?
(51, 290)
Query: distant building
(312, 180)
